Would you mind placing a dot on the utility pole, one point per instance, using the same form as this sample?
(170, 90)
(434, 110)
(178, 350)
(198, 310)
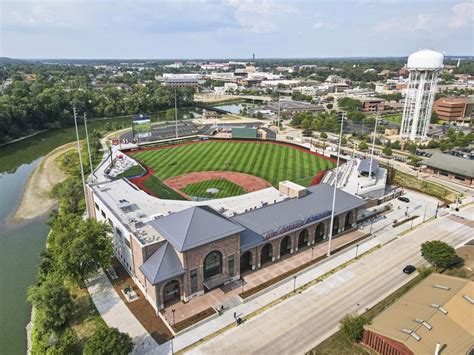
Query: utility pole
(88, 146)
(80, 159)
(373, 143)
(176, 111)
(334, 190)
(279, 118)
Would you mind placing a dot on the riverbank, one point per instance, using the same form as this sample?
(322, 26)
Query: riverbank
(35, 200)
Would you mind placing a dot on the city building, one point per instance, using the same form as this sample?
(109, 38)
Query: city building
(435, 317)
(454, 108)
(371, 104)
(424, 67)
(177, 250)
(181, 83)
(450, 167)
(291, 107)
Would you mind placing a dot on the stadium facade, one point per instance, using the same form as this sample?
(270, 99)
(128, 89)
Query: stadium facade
(177, 250)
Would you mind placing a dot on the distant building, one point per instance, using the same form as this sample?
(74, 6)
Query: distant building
(434, 317)
(454, 108)
(292, 107)
(372, 104)
(450, 167)
(181, 83)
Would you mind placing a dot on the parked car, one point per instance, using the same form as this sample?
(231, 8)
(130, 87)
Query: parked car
(409, 269)
(404, 199)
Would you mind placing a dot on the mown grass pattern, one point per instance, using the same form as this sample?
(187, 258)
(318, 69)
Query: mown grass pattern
(160, 189)
(272, 162)
(226, 188)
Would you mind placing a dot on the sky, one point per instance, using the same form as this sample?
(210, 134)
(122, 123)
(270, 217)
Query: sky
(172, 29)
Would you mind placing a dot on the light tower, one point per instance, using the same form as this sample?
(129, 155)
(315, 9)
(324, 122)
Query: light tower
(423, 67)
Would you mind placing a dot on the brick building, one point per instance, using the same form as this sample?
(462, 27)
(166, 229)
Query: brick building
(450, 167)
(454, 108)
(178, 250)
(435, 317)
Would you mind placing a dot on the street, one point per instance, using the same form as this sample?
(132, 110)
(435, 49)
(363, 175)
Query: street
(303, 321)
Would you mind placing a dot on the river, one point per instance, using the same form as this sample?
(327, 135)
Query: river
(21, 243)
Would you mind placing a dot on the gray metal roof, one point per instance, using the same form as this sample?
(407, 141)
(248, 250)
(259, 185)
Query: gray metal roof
(282, 217)
(364, 166)
(195, 226)
(452, 164)
(162, 265)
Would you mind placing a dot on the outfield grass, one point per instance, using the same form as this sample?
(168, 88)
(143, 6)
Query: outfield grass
(160, 189)
(272, 162)
(135, 170)
(226, 188)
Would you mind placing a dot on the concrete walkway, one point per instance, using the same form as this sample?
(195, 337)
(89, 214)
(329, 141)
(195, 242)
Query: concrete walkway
(116, 314)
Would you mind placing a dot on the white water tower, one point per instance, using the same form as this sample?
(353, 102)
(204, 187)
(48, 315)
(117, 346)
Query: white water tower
(423, 67)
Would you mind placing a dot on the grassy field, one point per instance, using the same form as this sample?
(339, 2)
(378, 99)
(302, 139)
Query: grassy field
(272, 162)
(226, 188)
(135, 170)
(163, 191)
(424, 186)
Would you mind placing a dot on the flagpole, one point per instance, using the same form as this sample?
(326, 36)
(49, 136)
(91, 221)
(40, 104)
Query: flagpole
(88, 146)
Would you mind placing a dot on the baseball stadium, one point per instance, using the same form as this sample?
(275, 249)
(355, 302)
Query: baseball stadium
(195, 218)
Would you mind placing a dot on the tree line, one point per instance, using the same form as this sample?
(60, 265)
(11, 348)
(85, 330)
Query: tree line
(76, 247)
(46, 103)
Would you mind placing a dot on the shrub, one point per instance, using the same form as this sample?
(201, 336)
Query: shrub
(352, 327)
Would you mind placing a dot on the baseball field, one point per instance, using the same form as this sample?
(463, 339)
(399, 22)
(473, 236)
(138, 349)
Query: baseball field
(268, 162)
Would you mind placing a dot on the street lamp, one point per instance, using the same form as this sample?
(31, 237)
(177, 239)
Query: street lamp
(312, 252)
(357, 249)
(243, 284)
(294, 283)
(334, 190)
(174, 320)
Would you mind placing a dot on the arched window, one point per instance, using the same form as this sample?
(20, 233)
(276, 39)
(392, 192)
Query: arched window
(212, 264)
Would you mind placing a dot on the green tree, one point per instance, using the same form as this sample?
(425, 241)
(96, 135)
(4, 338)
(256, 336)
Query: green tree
(170, 114)
(434, 117)
(53, 299)
(329, 106)
(349, 104)
(352, 327)
(108, 341)
(439, 254)
(363, 145)
(323, 135)
(395, 145)
(387, 151)
(356, 116)
(259, 115)
(79, 246)
(343, 140)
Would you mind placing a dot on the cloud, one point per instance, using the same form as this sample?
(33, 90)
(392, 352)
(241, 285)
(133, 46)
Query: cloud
(463, 15)
(260, 16)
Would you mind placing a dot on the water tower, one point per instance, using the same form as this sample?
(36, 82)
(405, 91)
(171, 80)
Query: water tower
(423, 67)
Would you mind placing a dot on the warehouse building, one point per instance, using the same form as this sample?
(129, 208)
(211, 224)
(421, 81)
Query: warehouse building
(435, 317)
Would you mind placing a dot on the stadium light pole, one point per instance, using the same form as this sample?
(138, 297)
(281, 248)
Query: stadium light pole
(88, 146)
(80, 159)
(373, 142)
(331, 226)
(279, 117)
(176, 111)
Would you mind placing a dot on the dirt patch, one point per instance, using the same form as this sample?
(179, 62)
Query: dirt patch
(248, 182)
(35, 200)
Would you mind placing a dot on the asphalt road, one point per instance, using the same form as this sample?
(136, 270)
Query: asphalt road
(300, 323)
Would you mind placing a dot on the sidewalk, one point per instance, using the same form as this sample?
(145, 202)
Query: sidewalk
(116, 314)
(187, 338)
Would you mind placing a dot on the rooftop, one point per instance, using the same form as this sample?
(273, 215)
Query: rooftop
(439, 310)
(451, 163)
(279, 218)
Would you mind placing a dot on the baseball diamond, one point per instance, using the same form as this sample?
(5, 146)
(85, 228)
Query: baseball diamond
(272, 162)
